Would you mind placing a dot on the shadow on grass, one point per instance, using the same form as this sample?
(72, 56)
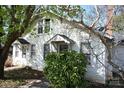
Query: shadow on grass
(22, 76)
(23, 73)
(40, 84)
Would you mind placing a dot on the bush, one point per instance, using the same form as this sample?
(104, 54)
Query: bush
(66, 69)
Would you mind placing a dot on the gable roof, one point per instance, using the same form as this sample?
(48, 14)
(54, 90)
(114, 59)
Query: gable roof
(67, 20)
(60, 38)
(75, 24)
(23, 41)
(62, 19)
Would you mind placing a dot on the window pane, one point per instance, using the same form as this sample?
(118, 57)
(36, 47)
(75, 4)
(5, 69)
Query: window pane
(32, 47)
(40, 30)
(47, 25)
(63, 48)
(16, 50)
(16, 53)
(16, 46)
(32, 54)
(23, 55)
(40, 26)
(10, 51)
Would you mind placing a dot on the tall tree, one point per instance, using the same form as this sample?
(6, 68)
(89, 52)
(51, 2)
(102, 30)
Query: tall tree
(14, 21)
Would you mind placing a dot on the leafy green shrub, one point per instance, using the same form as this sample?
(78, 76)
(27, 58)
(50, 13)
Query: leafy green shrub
(66, 69)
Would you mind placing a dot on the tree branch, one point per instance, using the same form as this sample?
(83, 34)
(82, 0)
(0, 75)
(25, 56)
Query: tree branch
(97, 18)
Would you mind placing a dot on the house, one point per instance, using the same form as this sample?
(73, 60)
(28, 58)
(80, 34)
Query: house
(55, 35)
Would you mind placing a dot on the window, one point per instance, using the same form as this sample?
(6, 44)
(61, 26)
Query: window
(47, 25)
(63, 47)
(40, 26)
(86, 50)
(10, 51)
(46, 49)
(23, 51)
(44, 26)
(33, 50)
(16, 50)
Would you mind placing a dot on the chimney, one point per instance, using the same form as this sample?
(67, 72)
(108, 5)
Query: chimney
(109, 19)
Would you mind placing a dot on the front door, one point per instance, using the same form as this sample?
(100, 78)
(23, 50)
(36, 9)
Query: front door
(63, 47)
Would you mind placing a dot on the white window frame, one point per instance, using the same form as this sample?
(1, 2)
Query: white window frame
(43, 24)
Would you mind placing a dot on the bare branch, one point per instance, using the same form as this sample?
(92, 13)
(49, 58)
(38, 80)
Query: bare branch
(97, 17)
(97, 56)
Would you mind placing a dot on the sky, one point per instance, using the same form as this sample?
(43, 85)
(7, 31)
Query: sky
(87, 7)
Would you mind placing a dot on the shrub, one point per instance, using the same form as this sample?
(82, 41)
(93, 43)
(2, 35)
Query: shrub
(66, 69)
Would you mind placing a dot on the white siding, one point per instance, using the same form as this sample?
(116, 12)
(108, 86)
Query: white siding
(118, 55)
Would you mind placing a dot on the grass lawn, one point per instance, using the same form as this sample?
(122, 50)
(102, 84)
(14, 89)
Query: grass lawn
(18, 77)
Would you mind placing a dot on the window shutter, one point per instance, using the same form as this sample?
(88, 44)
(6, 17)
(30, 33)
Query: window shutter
(24, 51)
(33, 52)
(46, 49)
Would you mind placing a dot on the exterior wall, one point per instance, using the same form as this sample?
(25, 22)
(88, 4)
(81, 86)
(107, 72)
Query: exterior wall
(95, 70)
(40, 39)
(118, 55)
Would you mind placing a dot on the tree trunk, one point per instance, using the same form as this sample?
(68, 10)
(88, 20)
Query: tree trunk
(3, 58)
(1, 68)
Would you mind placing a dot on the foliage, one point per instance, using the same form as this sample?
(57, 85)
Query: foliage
(14, 18)
(66, 11)
(118, 23)
(66, 69)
